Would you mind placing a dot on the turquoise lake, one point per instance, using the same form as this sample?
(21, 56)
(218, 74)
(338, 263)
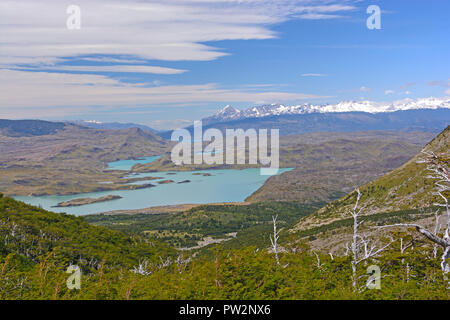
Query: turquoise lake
(128, 164)
(220, 186)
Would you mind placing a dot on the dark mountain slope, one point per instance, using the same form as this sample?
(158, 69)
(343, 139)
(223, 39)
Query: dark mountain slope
(27, 128)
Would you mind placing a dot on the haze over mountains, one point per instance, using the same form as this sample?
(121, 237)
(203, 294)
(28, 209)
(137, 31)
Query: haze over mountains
(111, 125)
(378, 116)
(426, 114)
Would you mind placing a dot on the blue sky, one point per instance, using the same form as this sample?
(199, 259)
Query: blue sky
(167, 63)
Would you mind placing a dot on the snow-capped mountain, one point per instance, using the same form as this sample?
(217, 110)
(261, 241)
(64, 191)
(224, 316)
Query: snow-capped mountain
(229, 113)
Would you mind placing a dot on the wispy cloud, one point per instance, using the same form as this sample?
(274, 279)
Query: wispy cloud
(113, 68)
(441, 83)
(170, 30)
(318, 16)
(122, 36)
(407, 85)
(321, 12)
(388, 92)
(364, 89)
(81, 91)
(313, 75)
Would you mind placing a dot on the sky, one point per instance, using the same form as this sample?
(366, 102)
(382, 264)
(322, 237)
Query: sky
(168, 63)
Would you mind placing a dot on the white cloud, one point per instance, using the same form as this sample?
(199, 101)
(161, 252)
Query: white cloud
(131, 32)
(114, 68)
(85, 91)
(170, 30)
(318, 16)
(387, 92)
(364, 89)
(407, 85)
(313, 75)
(441, 83)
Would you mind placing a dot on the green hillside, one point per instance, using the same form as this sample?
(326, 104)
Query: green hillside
(405, 188)
(37, 246)
(34, 235)
(205, 225)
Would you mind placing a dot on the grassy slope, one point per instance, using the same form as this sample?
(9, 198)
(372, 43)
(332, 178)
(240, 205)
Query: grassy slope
(27, 270)
(35, 235)
(404, 188)
(252, 223)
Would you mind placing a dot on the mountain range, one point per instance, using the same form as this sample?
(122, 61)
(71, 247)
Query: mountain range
(230, 113)
(426, 114)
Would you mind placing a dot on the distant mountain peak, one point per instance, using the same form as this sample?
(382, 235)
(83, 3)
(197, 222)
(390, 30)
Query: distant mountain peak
(225, 114)
(228, 110)
(229, 107)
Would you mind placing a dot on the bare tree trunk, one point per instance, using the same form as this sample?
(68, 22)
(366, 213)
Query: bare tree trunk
(359, 243)
(275, 238)
(355, 214)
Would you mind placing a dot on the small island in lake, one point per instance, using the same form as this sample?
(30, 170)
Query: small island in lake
(84, 201)
(165, 181)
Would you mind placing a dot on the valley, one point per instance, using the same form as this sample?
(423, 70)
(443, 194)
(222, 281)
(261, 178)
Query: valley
(167, 242)
(68, 159)
(346, 159)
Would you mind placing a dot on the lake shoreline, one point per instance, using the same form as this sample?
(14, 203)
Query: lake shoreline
(167, 208)
(182, 191)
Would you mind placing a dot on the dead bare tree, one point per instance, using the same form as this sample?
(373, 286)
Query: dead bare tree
(182, 263)
(403, 248)
(362, 248)
(319, 264)
(274, 239)
(437, 228)
(164, 263)
(439, 171)
(142, 268)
